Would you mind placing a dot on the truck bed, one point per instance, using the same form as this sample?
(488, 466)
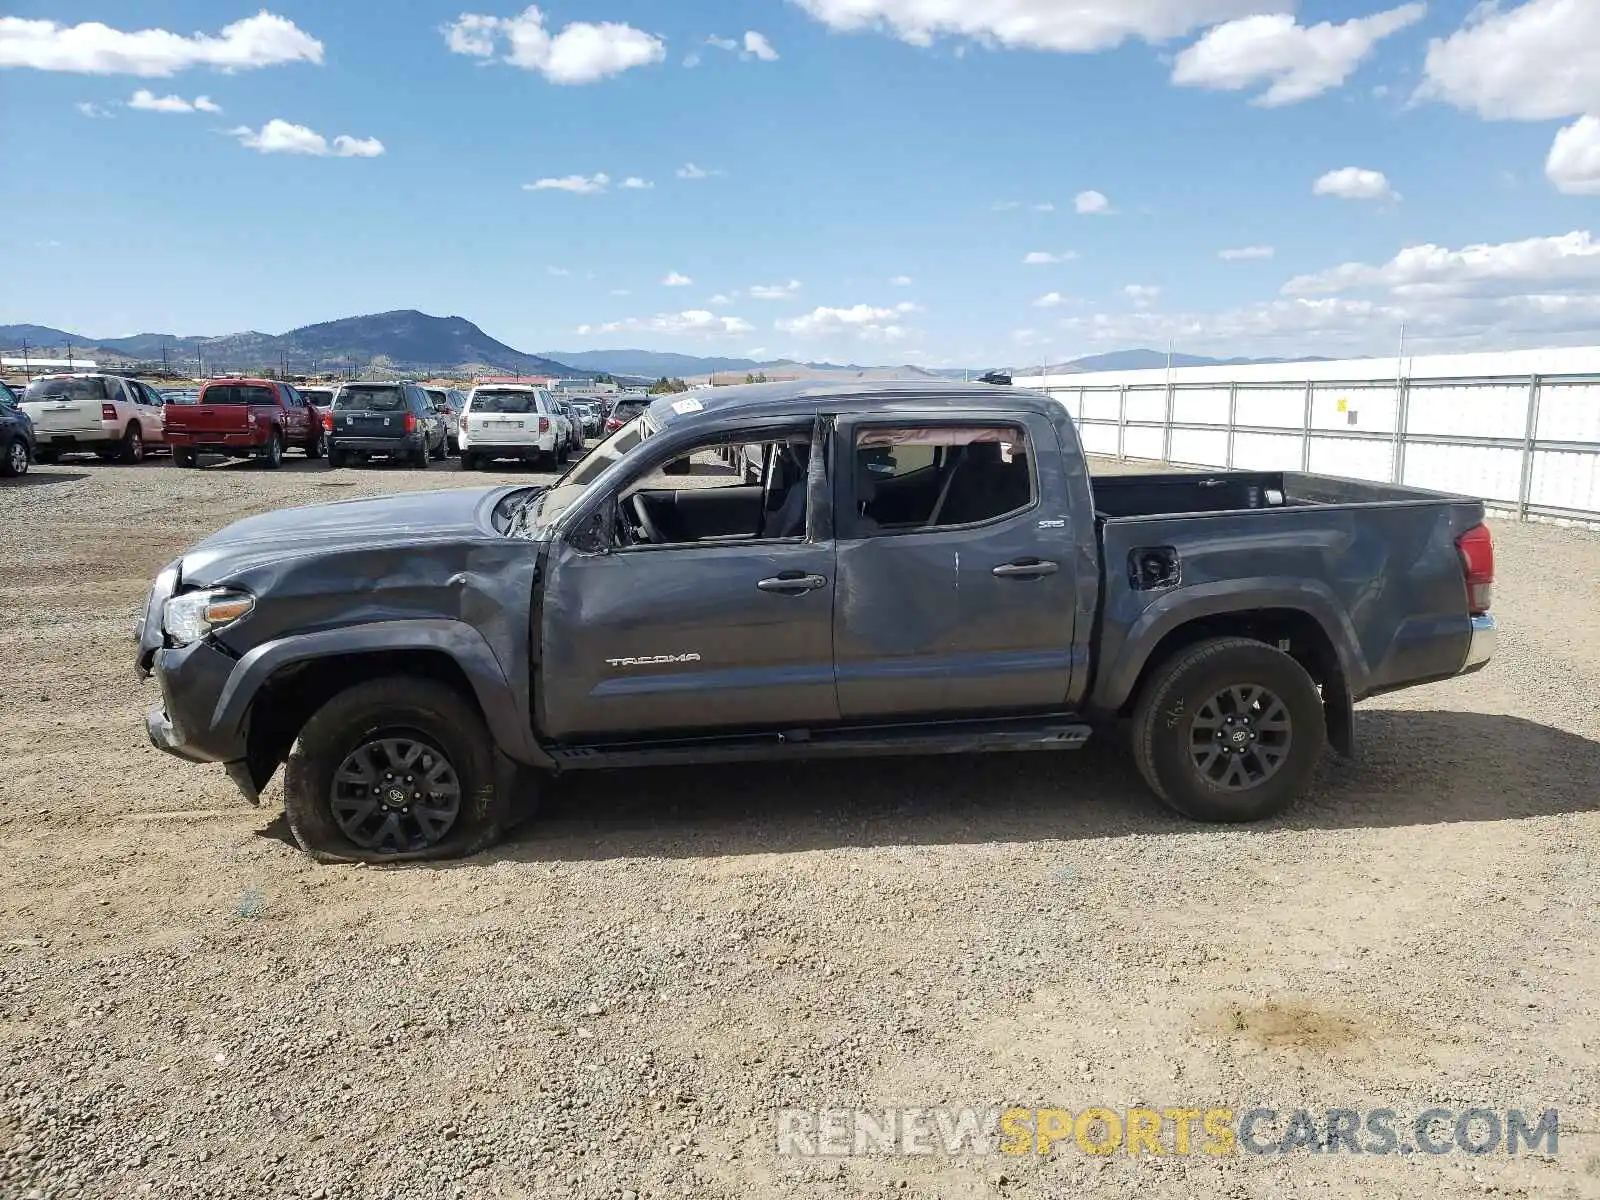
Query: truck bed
(1119, 496)
(1376, 564)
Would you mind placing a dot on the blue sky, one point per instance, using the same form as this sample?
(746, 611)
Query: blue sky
(870, 177)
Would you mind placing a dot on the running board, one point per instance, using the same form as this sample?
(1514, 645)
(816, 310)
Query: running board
(951, 737)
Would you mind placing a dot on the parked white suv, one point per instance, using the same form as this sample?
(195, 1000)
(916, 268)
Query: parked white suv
(507, 420)
(115, 417)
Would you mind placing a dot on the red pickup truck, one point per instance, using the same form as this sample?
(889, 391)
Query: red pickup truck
(244, 418)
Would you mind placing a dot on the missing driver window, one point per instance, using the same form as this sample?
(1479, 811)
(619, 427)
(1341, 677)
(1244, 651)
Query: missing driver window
(928, 477)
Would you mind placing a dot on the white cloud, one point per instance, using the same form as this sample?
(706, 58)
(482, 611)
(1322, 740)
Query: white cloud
(1296, 61)
(720, 299)
(150, 102)
(674, 279)
(1536, 62)
(94, 112)
(860, 321)
(693, 323)
(1355, 183)
(1574, 162)
(1050, 300)
(691, 171)
(776, 291)
(280, 137)
(722, 43)
(1092, 204)
(582, 52)
(691, 59)
(1142, 295)
(757, 46)
(1243, 253)
(1080, 26)
(1540, 265)
(559, 272)
(1005, 205)
(1044, 258)
(901, 281)
(634, 183)
(92, 48)
(1045, 207)
(578, 185)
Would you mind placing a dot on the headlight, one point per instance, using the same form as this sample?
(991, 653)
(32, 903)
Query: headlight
(189, 617)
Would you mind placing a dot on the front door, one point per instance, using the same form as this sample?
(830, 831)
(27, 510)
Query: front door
(956, 578)
(716, 618)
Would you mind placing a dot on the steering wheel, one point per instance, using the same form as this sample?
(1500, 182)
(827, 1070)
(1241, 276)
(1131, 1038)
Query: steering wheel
(642, 514)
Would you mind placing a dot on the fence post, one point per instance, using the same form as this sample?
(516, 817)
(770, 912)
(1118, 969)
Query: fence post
(1166, 428)
(1402, 418)
(1529, 436)
(1122, 422)
(1305, 430)
(1233, 422)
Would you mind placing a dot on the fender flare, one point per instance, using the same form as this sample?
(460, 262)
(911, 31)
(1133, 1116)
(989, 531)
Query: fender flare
(509, 723)
(1176, 609)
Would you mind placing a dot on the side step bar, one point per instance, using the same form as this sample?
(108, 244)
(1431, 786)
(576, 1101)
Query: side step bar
(1056, 732)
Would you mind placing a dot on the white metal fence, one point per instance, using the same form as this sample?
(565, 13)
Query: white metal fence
(1528, 445)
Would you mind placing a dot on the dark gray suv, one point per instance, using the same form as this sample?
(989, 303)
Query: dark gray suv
(396, 420)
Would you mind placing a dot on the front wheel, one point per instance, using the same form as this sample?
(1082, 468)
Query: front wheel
(391, 770)
(1229, 730)
(15, 461)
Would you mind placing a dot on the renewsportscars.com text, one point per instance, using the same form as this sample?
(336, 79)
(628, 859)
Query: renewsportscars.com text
(1215, 1131)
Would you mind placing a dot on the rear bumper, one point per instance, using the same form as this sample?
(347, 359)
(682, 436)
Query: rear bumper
(377, 445)
(1485, 634)
(543, 445)
(217, 443)
(100, 434)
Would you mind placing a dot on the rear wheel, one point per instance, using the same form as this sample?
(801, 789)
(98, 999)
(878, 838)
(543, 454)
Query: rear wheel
(318, 445)
(14, 462)
(131, 448)
(468, 462)
(1229, 730)
(391, 770)
(184, 456)
(421, 457)
(443, 451)
(272, 457)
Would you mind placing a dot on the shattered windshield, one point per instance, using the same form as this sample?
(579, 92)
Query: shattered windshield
(542, 509)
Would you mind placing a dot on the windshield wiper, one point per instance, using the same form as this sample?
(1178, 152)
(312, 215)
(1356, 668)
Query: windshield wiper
(522, 519)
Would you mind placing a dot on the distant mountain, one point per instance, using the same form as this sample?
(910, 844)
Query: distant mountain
(1147, 360)
(650, 363)
(405, 341)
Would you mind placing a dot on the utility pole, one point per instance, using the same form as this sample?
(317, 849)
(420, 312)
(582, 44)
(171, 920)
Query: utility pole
(27, 371)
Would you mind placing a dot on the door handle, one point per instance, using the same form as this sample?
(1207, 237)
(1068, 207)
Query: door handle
(792, 583)
(1026, 570)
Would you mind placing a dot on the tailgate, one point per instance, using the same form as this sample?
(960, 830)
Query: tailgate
(65, 416)
(508, 429)
(358, 422)
(207, 418)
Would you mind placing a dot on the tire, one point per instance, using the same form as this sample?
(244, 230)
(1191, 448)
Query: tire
(1228, 690)
(317, 446)
(406, 712)
(131, 449)
(336, 458)
(273, 458)
(452, 446)
(421, 458)
(183, 456)
(443, 452)
(467, 461)
(44, 457)
(14, 461)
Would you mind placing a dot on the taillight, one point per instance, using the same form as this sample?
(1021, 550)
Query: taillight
(327, 422)
(544, 424)
(462, 423)
(108, 412)
(1476, 548)
(411, 422)
(612, 424)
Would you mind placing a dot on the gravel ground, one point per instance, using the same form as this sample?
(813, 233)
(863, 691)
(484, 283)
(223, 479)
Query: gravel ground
(616, 1003)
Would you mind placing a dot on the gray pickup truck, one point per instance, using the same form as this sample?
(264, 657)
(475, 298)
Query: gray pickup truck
(916, 568)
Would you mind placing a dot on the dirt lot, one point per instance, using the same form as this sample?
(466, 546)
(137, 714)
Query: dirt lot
(618, 1003)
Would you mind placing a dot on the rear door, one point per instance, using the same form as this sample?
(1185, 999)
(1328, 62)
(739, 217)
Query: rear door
(505, 419)
(955, 570)
(67, 406)
(370, 410)
(717, 633)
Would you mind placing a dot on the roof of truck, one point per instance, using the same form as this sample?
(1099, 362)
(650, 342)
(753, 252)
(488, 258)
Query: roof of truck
(803, 396)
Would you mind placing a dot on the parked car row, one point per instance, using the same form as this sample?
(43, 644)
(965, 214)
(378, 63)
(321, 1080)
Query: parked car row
(263, 419)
